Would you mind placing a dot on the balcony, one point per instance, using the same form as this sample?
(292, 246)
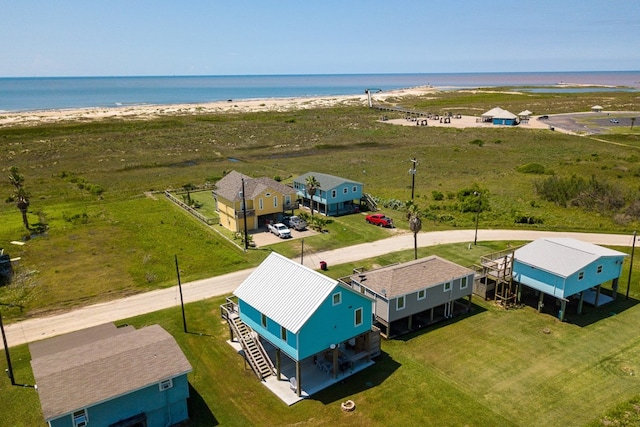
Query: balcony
(250, 213)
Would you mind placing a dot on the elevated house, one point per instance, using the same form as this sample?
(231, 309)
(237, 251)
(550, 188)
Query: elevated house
(263, 199)
(317, 330)
(567, 268)
(109, 376)
(335, 196)
(498, 116)
(414, 294)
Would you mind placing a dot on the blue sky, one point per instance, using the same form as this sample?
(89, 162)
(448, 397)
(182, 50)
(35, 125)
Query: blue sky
(239, 37)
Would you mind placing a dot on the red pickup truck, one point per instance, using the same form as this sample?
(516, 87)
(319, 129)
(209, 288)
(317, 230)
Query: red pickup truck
(379, 219)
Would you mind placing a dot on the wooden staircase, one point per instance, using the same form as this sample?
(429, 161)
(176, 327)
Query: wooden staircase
(254, 352)
(371, 204)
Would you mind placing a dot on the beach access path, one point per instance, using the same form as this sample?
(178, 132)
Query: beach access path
(45, 327)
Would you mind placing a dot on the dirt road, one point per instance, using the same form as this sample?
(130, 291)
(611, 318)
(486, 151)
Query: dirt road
(45, 327)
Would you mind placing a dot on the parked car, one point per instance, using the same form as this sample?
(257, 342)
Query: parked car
(297, 223)
(280, 230)
(545, 117)
(615, 121)
(380, 220)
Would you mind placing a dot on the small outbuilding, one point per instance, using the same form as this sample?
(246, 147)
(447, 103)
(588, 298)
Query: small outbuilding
(524, 116)
(597, 109)
(414, 294)
(110, 376)
(498, 116)
(567, 268)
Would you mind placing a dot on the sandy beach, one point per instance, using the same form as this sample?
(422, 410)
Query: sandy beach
(8, 119)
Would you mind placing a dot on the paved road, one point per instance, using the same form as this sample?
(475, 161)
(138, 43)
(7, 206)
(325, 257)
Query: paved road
(45, 327)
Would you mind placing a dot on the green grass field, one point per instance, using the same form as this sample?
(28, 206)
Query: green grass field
(491, 368)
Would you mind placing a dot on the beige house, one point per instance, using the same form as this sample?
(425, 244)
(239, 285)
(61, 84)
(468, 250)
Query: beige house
(265, 200)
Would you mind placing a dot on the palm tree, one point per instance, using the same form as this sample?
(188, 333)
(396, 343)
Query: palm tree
(415, 225)
(20, 194)
(312, 185)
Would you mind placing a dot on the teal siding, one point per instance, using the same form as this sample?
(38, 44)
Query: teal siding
(334, 324)
(328, 325)
(162, 408)
(558, 286)
(271, 333)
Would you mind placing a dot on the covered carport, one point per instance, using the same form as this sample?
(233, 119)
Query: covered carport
(568, 268)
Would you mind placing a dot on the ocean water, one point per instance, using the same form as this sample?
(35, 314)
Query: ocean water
(51, 93)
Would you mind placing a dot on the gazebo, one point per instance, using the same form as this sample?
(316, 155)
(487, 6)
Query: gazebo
(524, 116)
(596, 109)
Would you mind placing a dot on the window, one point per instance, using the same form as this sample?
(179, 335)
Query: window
(358, 317)
(166, 384)
(337, 298)
(264, 320)
(599, 270)
(80, 418)
(345, 190)
(260, 203)
(287, 199)
(283, 333)
(463, 283)
(447, 286)
(422, 294)
(354, 189)
(333, 194)
(275, 201)
(400, 303)
(581, 275)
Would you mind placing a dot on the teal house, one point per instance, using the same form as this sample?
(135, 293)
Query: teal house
(310, 318)
(335, 196)
(567, 268)
(107, 376)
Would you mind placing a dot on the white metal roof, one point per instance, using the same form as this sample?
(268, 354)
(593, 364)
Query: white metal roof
(285, 291)
(562, 256)
(499, 113)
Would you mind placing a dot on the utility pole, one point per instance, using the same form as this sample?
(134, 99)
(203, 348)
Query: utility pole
(244, 214)
(7, 354)
(633, 248)
(184, 318)
(412, 171)
(475, 239)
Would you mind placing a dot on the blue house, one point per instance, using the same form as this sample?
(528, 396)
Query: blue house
(566, 268)
(307, 316)
(335, 195)
(110, 376)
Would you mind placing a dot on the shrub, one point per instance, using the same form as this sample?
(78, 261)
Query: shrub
(437, 195)
(534, 168)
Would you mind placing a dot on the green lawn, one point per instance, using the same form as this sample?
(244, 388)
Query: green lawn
(492, 368)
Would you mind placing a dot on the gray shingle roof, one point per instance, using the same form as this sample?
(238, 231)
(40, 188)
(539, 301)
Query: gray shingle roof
(327, 182)
(81, 369)
(230, 187)
(401, 279)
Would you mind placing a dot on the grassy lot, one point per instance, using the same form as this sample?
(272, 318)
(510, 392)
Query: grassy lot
(116, 241)
(491, 367)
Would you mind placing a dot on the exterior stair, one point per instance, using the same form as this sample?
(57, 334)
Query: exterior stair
(371, 204)
(254, 352)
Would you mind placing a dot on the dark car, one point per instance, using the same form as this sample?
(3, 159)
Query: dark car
(380, 220)
(545, 117)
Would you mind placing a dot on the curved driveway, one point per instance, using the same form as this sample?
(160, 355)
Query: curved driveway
(45, 327)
